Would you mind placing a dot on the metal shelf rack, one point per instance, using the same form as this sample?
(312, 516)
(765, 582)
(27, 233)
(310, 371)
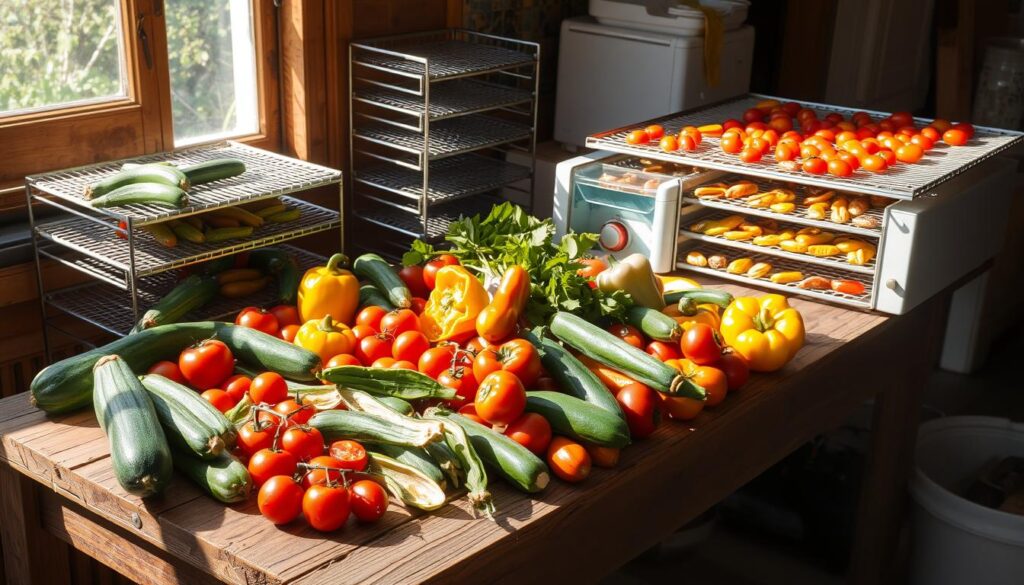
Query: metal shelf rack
(433, 117)
(132, 268)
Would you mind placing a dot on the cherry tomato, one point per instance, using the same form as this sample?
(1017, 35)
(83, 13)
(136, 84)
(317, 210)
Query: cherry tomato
(909, 153)
(815, 166)
(700, 344)
(638, 137)
(931, 134)
(781, 124)
(850, 159)
(462, 380)
(750, 155)
(654, 131)
(430, 268)
(900, 119)
(168, 370)
(954, 137)
(351, 454)
(369, 501)
(384, 362)
(320, 476)
(731, 143)
(268, 387)
(286, 315)
(412, 276)
(266, 463)
(850, 287)
(680, 407)
(220, 399)
(236, 386)
(253, 437)
(469, 411)
(839, 168)
(370, 317)
(693, 132)
(888, 156)
(362, 331)
(288, 333)
(399, 321)
(531, 431)
(295, 412)
(409, 345)
(870, 145)
(639, 405)
(342, 359)
(568, 460)
(874, 163)
(206, 364)
(500, 400)
(326, 507)
(664, 351)
(374, 347)
(786, 151)
(925, 142)
(668, 143)
(303, 442)
(591, 268)
(402, 365)
(735, 368)
(518, 357)
(627, 333)
(280, 499)
(731, 123)
(753, 115)
(258, 319)
(436, 360)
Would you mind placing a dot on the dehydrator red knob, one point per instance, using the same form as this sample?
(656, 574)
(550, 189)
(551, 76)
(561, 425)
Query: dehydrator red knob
(614, 236)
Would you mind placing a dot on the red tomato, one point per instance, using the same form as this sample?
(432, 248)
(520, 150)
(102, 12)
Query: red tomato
(296, 413)
(909, 153)
(714, 383)
(568, 460)
(280, 499)
(500, 400)
(874, 163)
(931, 134)
(436, 360)
(753, 115)
(236, 386)
(664, 351)
(850, 159)
(399, 321)
(288, 333)
(374, 347)
(206, 364)
(220, 399)
(750, 155)
(654, 131)
(342, 359)
(370, 316)
(320, 476)
(253, 438)
(361, 331)
(815, 166)
(412, 276)
(669, 143)
(694, 133)
(430, 268)
(731, 143)
(462, 380)
(469, 411)
(409, 346)
(326, 507)
(901, 119)
(417, 304)
(384, 362)
(786, 151)
(402, 365)
(286, 315)
(268, 387)
(925, 142)
(955, 137)
(304, 443)
(258, 319)
(518, 357)
(627, 333)
(639, 405)
(689, 142)
(700, 344)
(850, 287)
(369, 501)
(266, 463)
(781, 124)
(168, 370)
(735, 368)
(888, 156)
(351, 454)
(839, 168)
(731, 123)
(638, 137)
(531, 431)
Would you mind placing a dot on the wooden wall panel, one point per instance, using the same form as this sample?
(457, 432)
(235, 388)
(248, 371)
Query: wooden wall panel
(375, 18)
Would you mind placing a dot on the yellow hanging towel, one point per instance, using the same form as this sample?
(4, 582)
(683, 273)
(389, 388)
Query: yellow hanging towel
(714, 36)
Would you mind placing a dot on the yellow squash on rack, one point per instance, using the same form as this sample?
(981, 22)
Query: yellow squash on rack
(329, 290)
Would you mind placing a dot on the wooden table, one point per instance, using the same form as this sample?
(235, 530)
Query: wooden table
(571, 533)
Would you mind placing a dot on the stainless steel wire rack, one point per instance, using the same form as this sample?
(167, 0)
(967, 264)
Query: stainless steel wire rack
(901, 181)
(434, 117)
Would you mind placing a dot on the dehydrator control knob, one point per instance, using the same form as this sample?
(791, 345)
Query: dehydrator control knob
(614, 236)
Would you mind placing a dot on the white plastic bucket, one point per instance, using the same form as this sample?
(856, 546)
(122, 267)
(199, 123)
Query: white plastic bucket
(955, 540)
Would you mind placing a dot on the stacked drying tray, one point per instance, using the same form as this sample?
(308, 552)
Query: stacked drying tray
(133, 269)
(433, 118)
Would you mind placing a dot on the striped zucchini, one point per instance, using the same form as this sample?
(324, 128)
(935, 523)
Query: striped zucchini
(360, 426)
(189, 295)
(156, 174)
(407, 483)
(404, 384)
(654, 324)
(225, 478)
(375, 269)
(413, 457)
(145, 193)
(370, 296)
(571, 375)
(190, 421)
(580, 420)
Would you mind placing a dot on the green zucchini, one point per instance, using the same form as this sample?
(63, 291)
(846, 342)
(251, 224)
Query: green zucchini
(375, 269)
(654, 323)
(370, 296)
(67, 385)
(397, 404)
(189, 295)
(447, 461)
(162, 233)
(508, 458)
(356, 400)
(154, 174)
(475, 474)
(404, 384)
(139, 452)
(407, 483)
(571, 375)
(147, 193)
(225, 478)
(413, 457)
(699, 296)
(578, 419)
(222, 234)
(185, 231)
(611, 351)
(213, 170)
(188, 418)
(361, 426)
(282, 266)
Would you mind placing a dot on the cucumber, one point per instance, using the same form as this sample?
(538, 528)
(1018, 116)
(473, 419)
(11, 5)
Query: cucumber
(404, 384)
(375, 269)
(67, 385)
(185, 231)
(360, 426)
(153, 174)
(699, 296)
(397, 404)
(225, 478)
(139, 452)
(213, 170)
(282, 266)
(508, 458)
(148, 193)
(222, 234)
(611, 351)
(578, 419)
(571, 375)
(370, 296)
(244, 217)
(188, 418)
(654, 323)
(407, 483)
(289, 214)
(413, 457)
(162, 233)
(189, 295)
(271, 210)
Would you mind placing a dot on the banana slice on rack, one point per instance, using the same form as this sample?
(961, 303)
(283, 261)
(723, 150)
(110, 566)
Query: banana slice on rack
(859, 206)
(824, 197)
(817, 210)
(696, 259)
(840, 210)
(759, 270)
(740, 189)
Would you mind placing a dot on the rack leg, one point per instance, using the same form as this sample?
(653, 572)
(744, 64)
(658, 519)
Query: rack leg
(39, 276)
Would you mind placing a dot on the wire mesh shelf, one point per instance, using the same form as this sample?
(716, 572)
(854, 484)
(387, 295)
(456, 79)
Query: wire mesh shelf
(902, 181)
(449, 137)
(446, 58)
(266, 175)
(109, 307)
(781, 265)
(437, 223)
(449, 179)
(447, 100)
(84, 236)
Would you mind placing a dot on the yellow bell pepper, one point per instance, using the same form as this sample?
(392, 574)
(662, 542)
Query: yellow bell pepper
(765, 330)
(326, 338)
(329, 290)
(453, 306)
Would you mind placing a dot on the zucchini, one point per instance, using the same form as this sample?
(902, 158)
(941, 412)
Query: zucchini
(189, 294)
(139, 452)
(153, 174)
(289, 214)
(271, 210)
(447, 461)
(186, 231)
(407, 483)
(222, 234)
(190, 421)
(370, 296)
(413, 457)
(356, 400)
(282, 266)
(240, 215)
(67, 385)
(375, 269)
(472, 466)
(508, 458)
(225, 478)
(578, 419)
(148, 193)
(404, 384)
(571, 375)
(213, 170)
(611, 351)
(699, 296)
(162, 233)
(360, 426)
(654, 323)
(397, 404)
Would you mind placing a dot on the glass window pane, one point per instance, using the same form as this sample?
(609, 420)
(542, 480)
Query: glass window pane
(212, 69)
(59, 52)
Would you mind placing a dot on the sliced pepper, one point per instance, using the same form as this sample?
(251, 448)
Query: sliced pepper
(454, 304)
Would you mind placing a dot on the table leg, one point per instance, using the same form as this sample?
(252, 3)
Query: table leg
(31, 555)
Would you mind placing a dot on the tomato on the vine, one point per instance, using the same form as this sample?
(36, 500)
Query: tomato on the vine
(351, 454)
(436, 360)
(253, 437)
(369, 501)
(363, 331)
(296, 413)
(700, 344)
(409, 345)
(412, 276)
(206, 364)
(399, 321)
(326, 506)
(168, 370)
(639, 404)
(303, 442)
(267, 463)
(280, 499)
(258, 319)
(236, 386)
(370, 317)
(268, 387)
(430, 268)
(319, 476)
(627, 333)
(518, 357)
(500, 400)
(462, 380)
(532, 431)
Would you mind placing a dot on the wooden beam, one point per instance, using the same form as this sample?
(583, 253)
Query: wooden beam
(303, 79)
(31, 555)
